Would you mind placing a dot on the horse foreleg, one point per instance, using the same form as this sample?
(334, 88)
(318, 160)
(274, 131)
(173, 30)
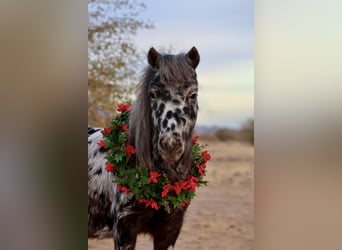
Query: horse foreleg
(125, 236)
(166, 235)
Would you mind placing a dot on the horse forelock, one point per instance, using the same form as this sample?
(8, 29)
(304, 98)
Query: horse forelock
(175, 68)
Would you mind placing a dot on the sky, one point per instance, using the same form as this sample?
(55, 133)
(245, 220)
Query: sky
(223, 33)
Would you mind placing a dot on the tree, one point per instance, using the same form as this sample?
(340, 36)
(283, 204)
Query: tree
(225, 134)
(113, 57)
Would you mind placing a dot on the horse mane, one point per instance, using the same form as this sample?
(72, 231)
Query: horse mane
(170, 68)
(140, 121)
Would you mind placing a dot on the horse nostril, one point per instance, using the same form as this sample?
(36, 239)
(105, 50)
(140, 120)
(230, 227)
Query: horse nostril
(164, 143)
(170, 144)
(176, 143)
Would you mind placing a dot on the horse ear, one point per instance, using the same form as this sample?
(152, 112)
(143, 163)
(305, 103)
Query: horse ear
(153, 57)
(194, 57)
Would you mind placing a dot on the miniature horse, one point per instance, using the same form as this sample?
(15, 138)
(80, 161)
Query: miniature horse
(161, 124)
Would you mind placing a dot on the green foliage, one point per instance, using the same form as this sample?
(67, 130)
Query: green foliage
(113, 57)
(152, 188)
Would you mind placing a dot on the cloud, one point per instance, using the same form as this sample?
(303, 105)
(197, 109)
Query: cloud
(230, 76)
(221, 108)
(226, 94)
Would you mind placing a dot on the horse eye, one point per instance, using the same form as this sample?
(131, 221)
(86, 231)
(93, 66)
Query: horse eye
(193, 96)
(153, 95)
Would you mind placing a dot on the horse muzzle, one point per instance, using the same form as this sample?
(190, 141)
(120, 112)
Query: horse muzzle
(171, 148)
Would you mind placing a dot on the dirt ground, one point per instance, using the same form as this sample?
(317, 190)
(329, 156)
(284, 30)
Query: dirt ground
(221, 215)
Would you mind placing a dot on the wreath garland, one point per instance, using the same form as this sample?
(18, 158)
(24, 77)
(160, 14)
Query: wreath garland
(152, 188)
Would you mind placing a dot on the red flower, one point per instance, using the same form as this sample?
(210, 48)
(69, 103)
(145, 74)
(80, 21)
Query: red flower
(166, 189)
(123, 107)
(193, 179)
(102, 144)
(149, 202)
(190, 184)
(129, 150)
(184, 203)
(124, 127)
(106, 131)
(206, 156)
(153, 177)
(184, 184)
(195, 139)
(200, 170)
(143, 201)
(110, 167)
(122, 188)
(177, 187)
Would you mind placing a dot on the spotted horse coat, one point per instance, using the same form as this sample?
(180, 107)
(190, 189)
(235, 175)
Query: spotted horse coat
(161, 124)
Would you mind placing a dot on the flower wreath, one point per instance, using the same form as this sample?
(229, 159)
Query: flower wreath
(152, 188)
